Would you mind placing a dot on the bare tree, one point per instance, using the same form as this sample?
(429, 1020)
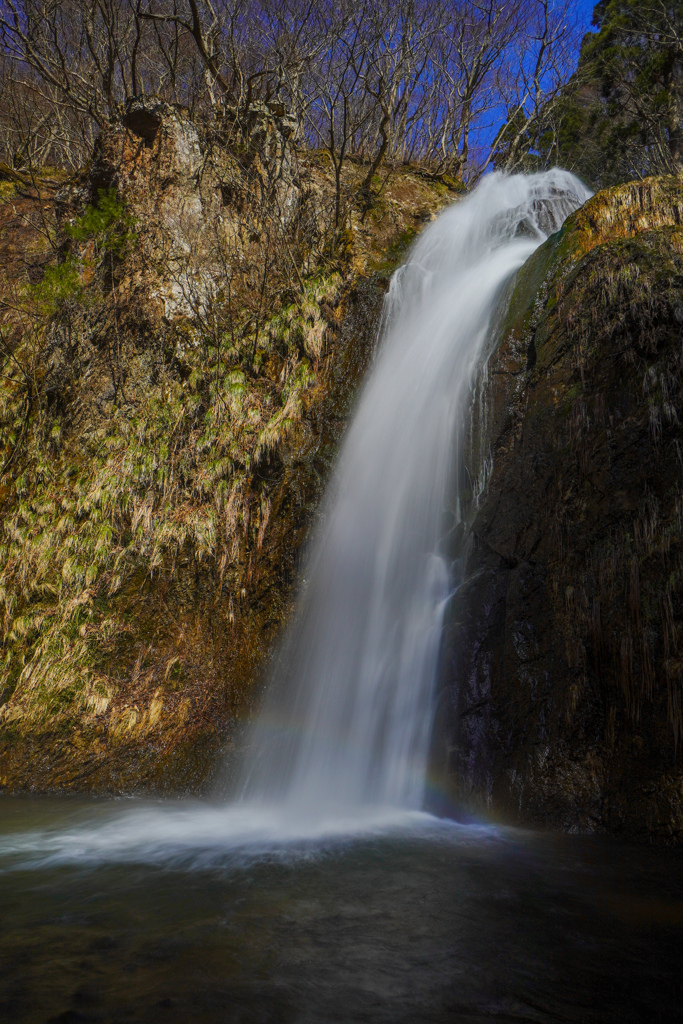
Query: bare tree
(469, 51)
(397, 60)
(425, 80)
(339, 110)
(538, 64)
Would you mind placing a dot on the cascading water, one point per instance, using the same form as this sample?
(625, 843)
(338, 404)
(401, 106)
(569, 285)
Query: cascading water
(347, 721)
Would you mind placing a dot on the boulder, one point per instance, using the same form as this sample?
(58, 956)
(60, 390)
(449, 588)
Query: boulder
(197, 205)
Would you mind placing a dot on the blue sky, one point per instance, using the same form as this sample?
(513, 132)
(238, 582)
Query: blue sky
(585, 9)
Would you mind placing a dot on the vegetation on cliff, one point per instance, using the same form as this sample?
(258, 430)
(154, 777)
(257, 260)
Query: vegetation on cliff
(172, 391)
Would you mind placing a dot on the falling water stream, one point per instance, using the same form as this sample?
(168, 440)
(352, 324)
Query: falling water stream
(348, 719)
(323, 891)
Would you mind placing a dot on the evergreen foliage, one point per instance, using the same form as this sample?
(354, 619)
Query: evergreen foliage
(107, 223)
(620, 116)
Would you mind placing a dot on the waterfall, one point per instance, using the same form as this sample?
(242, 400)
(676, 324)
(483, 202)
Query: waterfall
(341, 744)
(347, 717)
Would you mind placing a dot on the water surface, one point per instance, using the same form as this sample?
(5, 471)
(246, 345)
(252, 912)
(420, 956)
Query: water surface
(124, 911)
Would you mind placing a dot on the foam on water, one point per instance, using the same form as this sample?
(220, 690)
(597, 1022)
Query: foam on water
(194, 835)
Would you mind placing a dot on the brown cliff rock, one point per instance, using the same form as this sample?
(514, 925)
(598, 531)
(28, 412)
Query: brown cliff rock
(197, 208)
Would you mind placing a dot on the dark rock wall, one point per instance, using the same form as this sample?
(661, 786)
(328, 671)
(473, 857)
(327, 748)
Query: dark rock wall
(563, 661)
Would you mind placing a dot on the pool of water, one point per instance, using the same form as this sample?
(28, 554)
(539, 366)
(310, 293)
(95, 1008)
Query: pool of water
(129, 911)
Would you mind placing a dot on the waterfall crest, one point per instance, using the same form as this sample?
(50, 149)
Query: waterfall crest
(347, 717)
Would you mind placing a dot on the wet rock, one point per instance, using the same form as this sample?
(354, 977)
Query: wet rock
(563, 678)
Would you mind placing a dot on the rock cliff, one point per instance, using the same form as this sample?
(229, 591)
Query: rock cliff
(181, 341)
(563, 666)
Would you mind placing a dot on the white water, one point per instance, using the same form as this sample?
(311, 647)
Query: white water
(348, 718)
(189, 834)
(342, 744)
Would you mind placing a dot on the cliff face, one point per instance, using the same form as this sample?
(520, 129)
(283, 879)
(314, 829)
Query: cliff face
(563, 667)
(184, 348)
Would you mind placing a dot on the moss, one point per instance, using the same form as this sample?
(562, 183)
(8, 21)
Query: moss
(394, 255)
